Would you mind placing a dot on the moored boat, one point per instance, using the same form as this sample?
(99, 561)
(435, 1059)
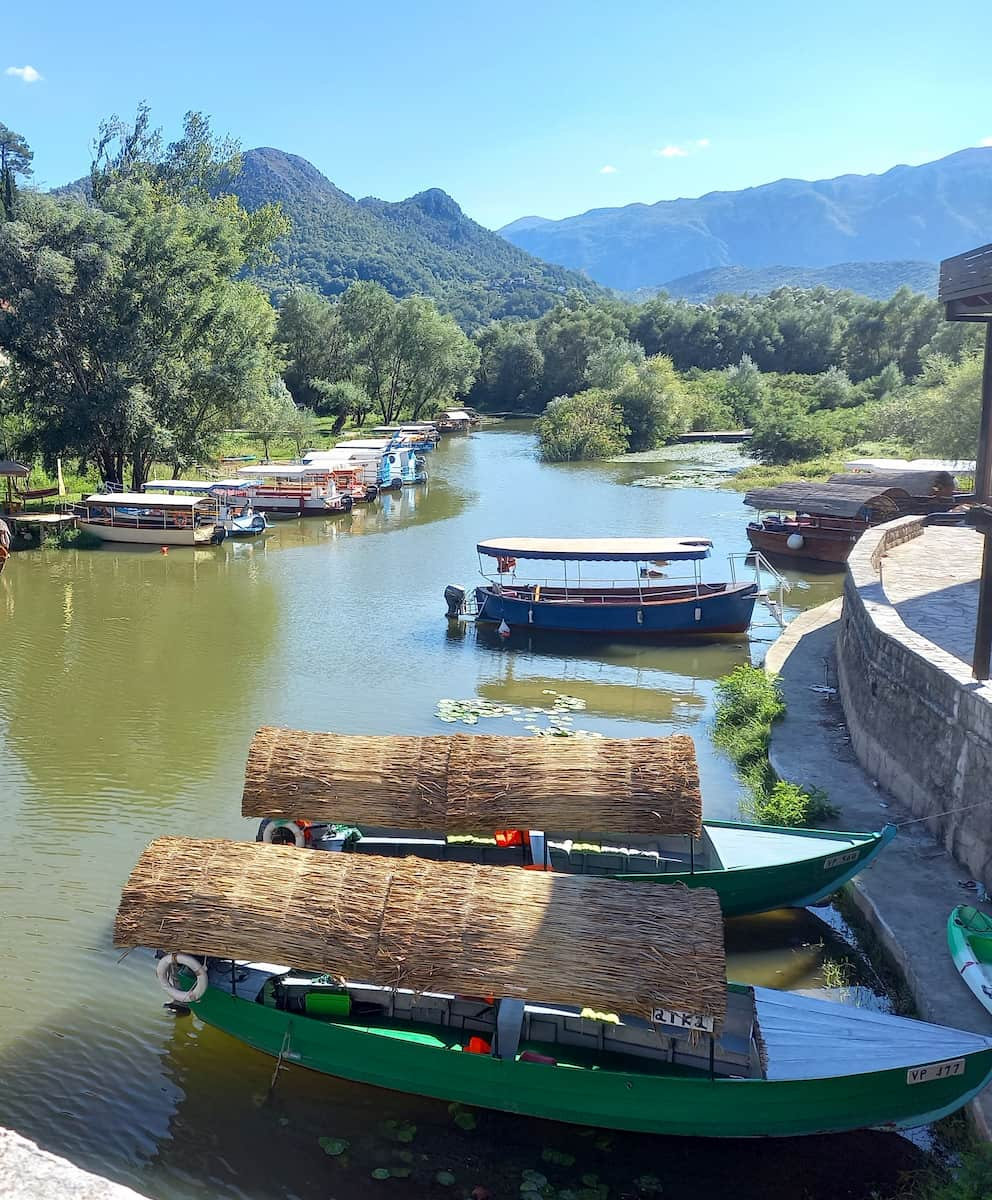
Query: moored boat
(295, 490)
(646, 605)
(574, 999)
(143, 519)
(356, 794)
(399, 464)
(969, 939)
(234, 509)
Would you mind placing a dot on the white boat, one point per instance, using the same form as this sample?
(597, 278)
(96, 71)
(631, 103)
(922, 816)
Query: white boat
(294, 489)
(400, 464)
(233, 497)
(143, 519)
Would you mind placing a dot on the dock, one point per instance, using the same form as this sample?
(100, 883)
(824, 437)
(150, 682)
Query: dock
(716, 435)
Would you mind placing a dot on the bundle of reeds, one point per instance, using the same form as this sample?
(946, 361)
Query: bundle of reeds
(476, 783)
(430, 926)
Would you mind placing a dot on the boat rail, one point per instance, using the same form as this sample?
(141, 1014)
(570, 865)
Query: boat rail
(772, 595)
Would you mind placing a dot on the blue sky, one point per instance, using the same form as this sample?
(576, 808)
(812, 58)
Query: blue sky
(518, 107)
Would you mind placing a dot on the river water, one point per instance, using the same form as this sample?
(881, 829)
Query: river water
(130, 685)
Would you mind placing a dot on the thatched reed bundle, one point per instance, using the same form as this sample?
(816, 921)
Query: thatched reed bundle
(475, 784)
(430, 926)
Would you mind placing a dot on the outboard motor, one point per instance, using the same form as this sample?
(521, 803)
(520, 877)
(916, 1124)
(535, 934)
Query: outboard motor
(454, 597)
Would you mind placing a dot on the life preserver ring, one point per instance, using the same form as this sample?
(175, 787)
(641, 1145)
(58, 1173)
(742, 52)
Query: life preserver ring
(298, 829)
(164, 970)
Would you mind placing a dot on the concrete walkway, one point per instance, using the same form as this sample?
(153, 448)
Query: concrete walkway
(29, 1173)
(908, 892)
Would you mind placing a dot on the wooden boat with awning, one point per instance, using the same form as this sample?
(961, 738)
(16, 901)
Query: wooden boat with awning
(827, 522)
(144, 519)
(624, 808)
(645, 604)
(574, 999)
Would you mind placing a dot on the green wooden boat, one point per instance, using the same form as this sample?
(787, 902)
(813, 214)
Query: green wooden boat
(442, 797)
(752, 868)
(784, 1064)
(969, 939)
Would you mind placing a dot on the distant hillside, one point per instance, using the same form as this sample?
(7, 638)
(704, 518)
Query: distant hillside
(877, 281)
(918, 214)
(424, 244)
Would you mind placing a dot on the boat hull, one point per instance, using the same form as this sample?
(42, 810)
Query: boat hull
(746, 890)
(823, 547)
(201, 536)
(725, 611)
(419, 1063)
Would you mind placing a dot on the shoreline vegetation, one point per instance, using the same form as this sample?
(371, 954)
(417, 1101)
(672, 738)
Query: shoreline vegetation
(749, 702)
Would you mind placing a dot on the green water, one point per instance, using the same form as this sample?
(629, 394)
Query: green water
(130, 685)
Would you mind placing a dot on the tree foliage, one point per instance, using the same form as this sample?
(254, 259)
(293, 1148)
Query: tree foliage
(588, 425)
(15, 159)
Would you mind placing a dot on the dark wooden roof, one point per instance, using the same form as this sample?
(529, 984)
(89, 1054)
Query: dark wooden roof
(827, 499)
(914, 483)
(965, 287)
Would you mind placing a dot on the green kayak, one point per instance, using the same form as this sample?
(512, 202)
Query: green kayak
(969, 938)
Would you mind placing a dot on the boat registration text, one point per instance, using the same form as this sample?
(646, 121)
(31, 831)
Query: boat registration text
(941, 1070)
(838, 860)
(681, 1020)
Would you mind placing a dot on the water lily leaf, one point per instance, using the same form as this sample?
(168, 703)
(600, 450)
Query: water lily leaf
(400, 1172)
(333, 1146)
(534, 1177)
(590, 1180)
(445, 1178)
(561, 1157)
(649, 1184)
(465, 1120)
(381, 1173)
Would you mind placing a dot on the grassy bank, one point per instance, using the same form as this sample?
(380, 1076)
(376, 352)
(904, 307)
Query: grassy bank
(749, 703)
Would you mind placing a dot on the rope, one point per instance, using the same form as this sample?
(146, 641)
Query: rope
(946, 813)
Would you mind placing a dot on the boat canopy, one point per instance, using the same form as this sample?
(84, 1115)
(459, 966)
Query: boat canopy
(365, 444)
(956, 466)
(914, 483)
(476, 784)
(827, 499)
(205, 487)
(143, 500)
(598, 549)
(281, 470)
(13, 470)
(615, 946)
(455, 414)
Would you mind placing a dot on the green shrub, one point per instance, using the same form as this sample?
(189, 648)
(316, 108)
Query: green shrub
(749, 701)
(587, 425)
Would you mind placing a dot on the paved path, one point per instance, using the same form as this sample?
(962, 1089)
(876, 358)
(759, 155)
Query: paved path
(932, 582)
(913, 884)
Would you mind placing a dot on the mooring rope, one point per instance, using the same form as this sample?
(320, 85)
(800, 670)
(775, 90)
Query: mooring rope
(946, 813)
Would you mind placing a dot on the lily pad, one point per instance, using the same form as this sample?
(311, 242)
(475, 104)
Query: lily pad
(400, 1172)
(466, 1120)
(333, 1146)
(381, 1173)
(650, 1185)
(560, 1158)
(590, 1181)
(444, 1178)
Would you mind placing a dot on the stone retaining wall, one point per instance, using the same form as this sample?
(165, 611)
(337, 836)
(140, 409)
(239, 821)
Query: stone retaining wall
(919, 723)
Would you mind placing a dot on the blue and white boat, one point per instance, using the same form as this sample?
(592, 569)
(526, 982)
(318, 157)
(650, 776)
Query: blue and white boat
(233, 496)
(647, 604)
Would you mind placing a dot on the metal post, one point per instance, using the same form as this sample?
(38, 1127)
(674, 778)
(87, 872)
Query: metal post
(983, 464)
(983, 627)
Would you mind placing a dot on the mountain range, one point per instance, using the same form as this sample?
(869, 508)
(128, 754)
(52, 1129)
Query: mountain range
(424, 244)
(876, 280)
(920, 214)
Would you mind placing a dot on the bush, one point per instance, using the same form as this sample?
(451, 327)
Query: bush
(749, 702)
(587, 425)
(786, 431)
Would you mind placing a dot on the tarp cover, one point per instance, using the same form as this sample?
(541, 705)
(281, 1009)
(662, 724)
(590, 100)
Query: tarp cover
(826, 499)
(598, 549)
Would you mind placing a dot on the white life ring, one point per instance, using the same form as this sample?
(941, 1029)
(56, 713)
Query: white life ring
(269, 832)
(164, 970)
(795, 541)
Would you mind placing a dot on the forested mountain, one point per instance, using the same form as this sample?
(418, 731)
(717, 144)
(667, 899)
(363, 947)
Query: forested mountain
(424, 244)
(876, 280)
(908, 213)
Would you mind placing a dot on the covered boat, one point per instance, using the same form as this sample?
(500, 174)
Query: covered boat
(150, 520)
(532, 802)
(400, 464)
(574, 999)
(294, 490)
(829, 518)
(646, 604)
(926, 491)
(233, 496)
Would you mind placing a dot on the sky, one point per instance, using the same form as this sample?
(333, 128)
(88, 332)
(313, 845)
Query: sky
(514, 108)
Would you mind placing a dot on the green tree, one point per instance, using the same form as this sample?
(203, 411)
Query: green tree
(652, 401)
(587, 425)
(341, 400)
(15, 159)
(317, 347)
(270, 414)
(511, 368)
(303, 428)
(784, 430)
(568, 336)
(607, 366)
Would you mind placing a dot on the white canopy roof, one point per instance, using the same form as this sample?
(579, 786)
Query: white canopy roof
(953, 465)
(365, 444)
(598, 549)
(203, 486)
(143, 500)
(283, 470)
(456, 414)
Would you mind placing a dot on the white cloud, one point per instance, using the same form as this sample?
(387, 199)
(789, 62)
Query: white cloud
(986, 142)
(607, 170)
(672, 152)
(27, 74)
(702, 143)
